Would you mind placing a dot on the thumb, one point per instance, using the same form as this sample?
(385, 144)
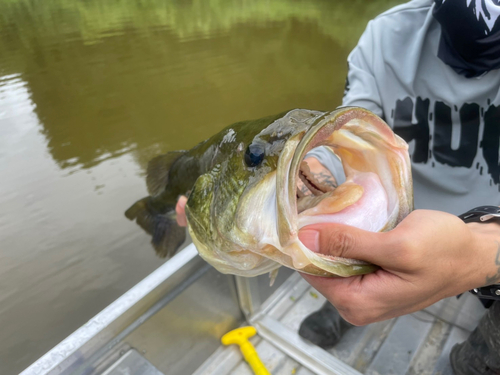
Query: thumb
(180, 210)
(347, 242)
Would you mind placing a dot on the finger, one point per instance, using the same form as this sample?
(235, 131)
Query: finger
(349, 242)
(366, 298)
(180, 210)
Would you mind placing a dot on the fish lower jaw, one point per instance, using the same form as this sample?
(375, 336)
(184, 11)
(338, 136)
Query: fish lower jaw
(297, 255)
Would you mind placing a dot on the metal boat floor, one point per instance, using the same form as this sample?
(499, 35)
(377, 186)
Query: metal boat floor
(413, 344)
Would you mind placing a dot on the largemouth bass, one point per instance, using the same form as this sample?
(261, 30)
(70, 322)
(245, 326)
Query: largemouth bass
(244, 209)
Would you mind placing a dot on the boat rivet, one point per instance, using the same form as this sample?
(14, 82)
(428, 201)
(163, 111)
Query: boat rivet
(497, 292)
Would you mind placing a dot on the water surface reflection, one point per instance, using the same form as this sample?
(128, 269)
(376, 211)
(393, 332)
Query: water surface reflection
(90, 91)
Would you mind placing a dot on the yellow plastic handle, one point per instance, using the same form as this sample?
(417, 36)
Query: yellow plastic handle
(251, 356)
(240, 336)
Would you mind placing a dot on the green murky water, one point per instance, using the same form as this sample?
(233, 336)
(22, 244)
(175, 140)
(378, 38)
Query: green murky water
(91, 90)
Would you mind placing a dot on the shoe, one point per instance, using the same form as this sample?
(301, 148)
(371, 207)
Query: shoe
(480, 353)
(324, 327)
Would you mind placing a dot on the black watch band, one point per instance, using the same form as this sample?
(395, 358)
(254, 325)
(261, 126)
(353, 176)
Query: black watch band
(484, 214)
(481, 214)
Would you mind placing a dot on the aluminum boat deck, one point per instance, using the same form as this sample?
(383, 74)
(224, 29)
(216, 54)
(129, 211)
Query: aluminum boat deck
(171, 323)
(418, 343)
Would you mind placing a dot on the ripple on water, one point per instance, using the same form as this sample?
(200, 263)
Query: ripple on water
(92, 90)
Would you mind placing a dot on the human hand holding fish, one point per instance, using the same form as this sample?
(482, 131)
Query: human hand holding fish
(429, 256)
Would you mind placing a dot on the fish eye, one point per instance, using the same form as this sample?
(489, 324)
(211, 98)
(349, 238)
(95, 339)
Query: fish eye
(254, 154)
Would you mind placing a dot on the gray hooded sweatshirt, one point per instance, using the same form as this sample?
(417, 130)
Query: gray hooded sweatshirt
(451, 123)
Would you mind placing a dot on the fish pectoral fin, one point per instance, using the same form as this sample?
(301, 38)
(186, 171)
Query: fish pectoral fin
(273, 275)
(168, 236)
(157, 172)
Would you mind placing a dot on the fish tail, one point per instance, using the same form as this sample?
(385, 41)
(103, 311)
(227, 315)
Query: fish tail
(167, 235)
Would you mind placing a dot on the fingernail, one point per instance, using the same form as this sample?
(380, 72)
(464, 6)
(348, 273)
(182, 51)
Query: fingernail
(310, 238)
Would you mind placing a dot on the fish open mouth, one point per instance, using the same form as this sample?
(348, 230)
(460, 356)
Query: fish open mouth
(370, 195)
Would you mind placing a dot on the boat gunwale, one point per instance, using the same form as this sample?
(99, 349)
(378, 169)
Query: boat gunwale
(78, 347)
